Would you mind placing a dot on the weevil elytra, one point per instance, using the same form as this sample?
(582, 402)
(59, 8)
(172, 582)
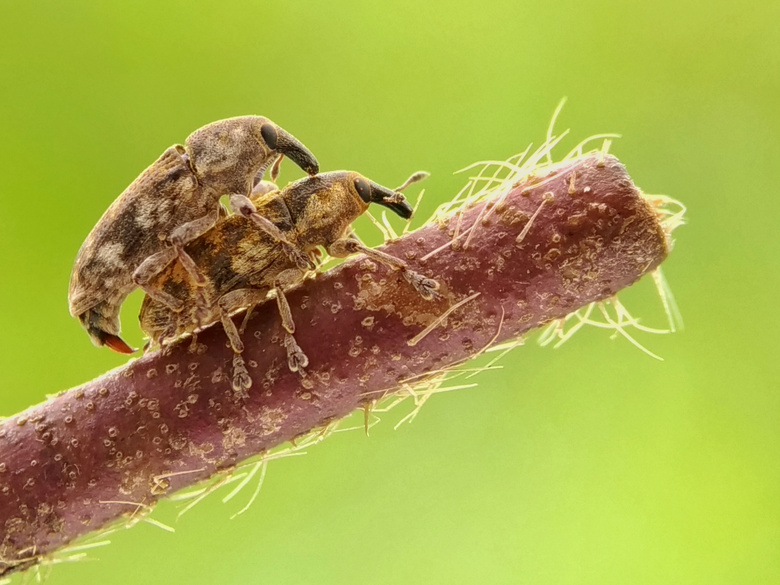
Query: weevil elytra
(242, 265)
(171, 203)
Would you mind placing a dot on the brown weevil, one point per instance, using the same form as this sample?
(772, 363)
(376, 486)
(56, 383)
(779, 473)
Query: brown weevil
(171, 203)
(242, 265)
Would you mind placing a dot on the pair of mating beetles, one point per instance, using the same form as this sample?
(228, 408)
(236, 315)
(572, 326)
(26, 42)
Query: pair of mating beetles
(168, 234)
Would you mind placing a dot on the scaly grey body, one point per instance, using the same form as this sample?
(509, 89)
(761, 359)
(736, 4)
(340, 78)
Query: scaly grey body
(171, 203)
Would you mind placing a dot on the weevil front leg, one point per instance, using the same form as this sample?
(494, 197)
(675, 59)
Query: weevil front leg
(155, 263)
(427, 287)
(243, 205)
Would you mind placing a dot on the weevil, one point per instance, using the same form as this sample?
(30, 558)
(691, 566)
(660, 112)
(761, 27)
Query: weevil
(171, 203)
(242, 265)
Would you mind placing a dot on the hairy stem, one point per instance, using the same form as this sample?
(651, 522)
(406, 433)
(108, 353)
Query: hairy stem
(534, 252)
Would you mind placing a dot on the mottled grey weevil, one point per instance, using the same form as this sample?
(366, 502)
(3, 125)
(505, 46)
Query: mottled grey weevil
(242, 265)
(171, 203)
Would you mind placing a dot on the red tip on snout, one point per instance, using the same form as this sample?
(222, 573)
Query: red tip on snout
(118, 344)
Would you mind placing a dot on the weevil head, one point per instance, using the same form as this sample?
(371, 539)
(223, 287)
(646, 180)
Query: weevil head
(346, 194)
(321, 208)
(370, 192)
(227, 155)
(340, 196)
(283, 143)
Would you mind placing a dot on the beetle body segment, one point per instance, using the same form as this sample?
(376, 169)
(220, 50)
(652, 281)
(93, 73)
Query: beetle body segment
(312, 212)
(172, 202)
(242, 265)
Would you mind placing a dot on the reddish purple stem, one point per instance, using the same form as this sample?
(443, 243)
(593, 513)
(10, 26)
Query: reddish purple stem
(128, 435)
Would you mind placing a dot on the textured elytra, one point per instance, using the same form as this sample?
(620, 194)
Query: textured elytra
(170, 203)
(553, 243)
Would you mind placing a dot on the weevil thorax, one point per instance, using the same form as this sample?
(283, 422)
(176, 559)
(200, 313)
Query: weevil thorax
(227, 154)
(323, 207)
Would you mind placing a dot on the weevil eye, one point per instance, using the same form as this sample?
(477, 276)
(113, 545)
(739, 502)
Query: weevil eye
(268, 132)
(364, 189)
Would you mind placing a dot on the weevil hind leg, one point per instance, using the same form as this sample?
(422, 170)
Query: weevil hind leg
(201, 313)
(231, 302)
(165, 340)
(193, 346)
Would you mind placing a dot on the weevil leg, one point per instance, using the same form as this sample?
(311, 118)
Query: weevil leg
(228, 303)
(201, 314)
(281, 302)
(426, 287)
(162, 340)
(247, 297)
(242, 381)
(243, 205)
(187, 232)
(148, 269)
(245, 321)
(193, 347)
(296, 359)
(155, 263)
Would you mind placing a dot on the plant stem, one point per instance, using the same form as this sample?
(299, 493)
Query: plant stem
(507, 264)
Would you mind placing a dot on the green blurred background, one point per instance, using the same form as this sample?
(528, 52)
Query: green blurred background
(592, 463)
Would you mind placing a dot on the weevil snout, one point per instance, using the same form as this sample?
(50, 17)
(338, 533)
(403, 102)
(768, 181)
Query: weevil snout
(286, 144)
(371, 192)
